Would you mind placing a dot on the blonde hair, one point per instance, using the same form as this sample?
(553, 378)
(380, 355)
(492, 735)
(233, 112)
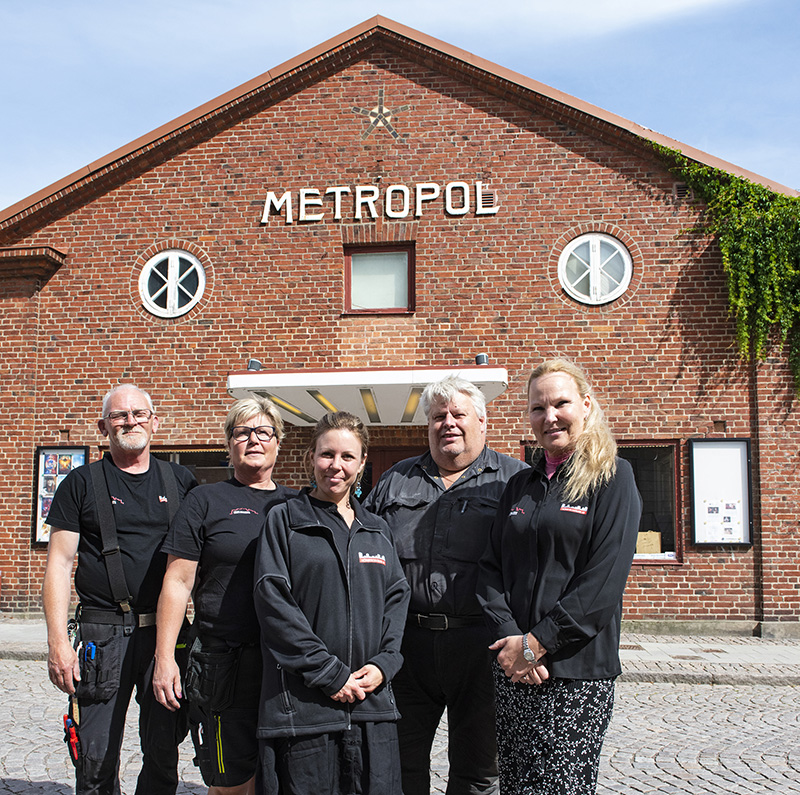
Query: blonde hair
(594, 461)
(245, 408)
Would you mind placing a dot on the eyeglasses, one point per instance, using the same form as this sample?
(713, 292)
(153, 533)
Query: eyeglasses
(242, 433)
(120, 417)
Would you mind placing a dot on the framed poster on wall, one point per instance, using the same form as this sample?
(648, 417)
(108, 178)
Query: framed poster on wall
(721, 493)
(53, 464)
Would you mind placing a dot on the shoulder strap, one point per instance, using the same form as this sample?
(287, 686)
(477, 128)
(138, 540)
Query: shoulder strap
(170, 484)
(108, 534)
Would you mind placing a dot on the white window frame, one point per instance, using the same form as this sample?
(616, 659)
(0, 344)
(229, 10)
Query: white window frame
(595, 268)
(172, 284)
(355, 251)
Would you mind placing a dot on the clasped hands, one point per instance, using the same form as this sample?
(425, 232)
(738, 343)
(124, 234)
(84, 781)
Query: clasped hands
(514, 664)
(360, 684)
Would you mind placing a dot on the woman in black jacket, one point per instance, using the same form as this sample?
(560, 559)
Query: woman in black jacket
(331, 598)
(551, 587)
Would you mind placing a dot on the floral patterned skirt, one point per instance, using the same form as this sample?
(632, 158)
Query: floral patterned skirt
(549, 736)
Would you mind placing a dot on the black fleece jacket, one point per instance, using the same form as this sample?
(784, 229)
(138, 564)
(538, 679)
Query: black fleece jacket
(323, 616)
(558, 569)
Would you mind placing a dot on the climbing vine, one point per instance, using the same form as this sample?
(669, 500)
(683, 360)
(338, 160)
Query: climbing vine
(758, 232)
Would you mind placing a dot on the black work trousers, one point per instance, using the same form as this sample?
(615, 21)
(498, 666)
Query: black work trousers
(447, 669)
(110, 669)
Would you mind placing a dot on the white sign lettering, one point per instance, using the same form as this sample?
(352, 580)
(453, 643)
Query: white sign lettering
(460, 198)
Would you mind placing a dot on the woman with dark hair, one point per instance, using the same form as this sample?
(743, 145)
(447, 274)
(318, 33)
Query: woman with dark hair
(551, 587)
(332, 600)
(212, 547)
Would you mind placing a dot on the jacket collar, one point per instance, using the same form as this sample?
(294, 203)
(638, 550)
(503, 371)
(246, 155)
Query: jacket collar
(487, 461)
(301, 513)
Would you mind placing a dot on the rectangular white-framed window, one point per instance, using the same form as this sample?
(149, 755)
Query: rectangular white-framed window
(721, 491)
(379, 279)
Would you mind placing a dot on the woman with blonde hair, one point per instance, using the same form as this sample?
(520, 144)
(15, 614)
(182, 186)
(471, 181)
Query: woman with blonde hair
(551, 587)
(212, 548)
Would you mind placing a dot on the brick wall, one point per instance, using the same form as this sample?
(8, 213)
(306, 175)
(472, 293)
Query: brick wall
(662, 357)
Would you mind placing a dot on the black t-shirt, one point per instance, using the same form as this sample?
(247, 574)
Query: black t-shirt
(218, 525)
(142, 517)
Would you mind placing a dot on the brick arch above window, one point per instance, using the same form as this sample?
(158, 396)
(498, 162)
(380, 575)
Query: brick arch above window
(380, 232)
(600, 229)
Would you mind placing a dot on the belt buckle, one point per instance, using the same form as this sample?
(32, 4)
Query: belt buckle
(439, 615)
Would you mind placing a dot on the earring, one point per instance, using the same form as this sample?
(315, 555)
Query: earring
(358, 488)
(312, 483)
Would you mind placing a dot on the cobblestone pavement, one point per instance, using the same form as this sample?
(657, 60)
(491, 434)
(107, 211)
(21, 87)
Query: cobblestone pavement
(665, 738)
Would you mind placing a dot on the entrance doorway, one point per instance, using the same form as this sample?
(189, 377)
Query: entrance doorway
(382, 458)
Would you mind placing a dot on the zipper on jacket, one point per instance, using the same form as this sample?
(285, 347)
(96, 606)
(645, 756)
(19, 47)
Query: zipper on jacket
(350, 537)
(285, 700)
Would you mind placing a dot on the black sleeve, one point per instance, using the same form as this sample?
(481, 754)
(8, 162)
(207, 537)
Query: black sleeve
(595, 592)
(68, 502)
(395, 610)
(291, 639)
(185, 535)
(491, 590)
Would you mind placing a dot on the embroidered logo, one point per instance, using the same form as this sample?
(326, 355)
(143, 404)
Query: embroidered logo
(364, 558)
(516, 511)
(242, 510)
(162, 498)
(116, 500)
(581, 509)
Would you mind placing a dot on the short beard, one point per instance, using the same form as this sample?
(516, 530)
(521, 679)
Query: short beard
(132, 442)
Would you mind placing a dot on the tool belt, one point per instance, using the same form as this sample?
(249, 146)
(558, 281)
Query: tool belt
(93, 615)
(440, 621)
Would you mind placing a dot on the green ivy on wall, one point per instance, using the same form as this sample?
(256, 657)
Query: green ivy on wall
(758, 232)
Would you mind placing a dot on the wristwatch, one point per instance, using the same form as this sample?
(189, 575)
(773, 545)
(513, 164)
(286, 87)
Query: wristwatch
(526, 651)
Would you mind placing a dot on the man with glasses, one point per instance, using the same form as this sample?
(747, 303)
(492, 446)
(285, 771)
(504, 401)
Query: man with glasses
(115, 513)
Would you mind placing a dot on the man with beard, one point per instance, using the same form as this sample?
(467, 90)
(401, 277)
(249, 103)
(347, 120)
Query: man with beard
(440, 507)
(115, 513)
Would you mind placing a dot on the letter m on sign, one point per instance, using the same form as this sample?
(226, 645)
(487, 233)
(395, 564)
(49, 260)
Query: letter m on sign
(274, 203)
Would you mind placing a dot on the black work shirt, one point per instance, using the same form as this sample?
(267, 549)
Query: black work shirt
(440, 534)
(141, 515)
(218, 526)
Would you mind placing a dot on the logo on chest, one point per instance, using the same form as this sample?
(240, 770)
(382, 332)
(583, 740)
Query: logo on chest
(364, 557)
(516, 511)
(246, 511)
(581, 509)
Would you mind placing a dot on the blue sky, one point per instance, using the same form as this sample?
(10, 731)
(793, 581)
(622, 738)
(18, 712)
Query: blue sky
(83, 77)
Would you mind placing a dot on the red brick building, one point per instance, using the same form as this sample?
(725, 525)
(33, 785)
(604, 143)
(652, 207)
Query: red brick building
(378, 209)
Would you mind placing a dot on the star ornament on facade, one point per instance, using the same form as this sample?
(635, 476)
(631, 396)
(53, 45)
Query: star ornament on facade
(380, 116)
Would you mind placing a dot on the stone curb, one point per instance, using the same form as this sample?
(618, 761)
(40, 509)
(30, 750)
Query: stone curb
(10, 653)
(744, 676)
(632, 672)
